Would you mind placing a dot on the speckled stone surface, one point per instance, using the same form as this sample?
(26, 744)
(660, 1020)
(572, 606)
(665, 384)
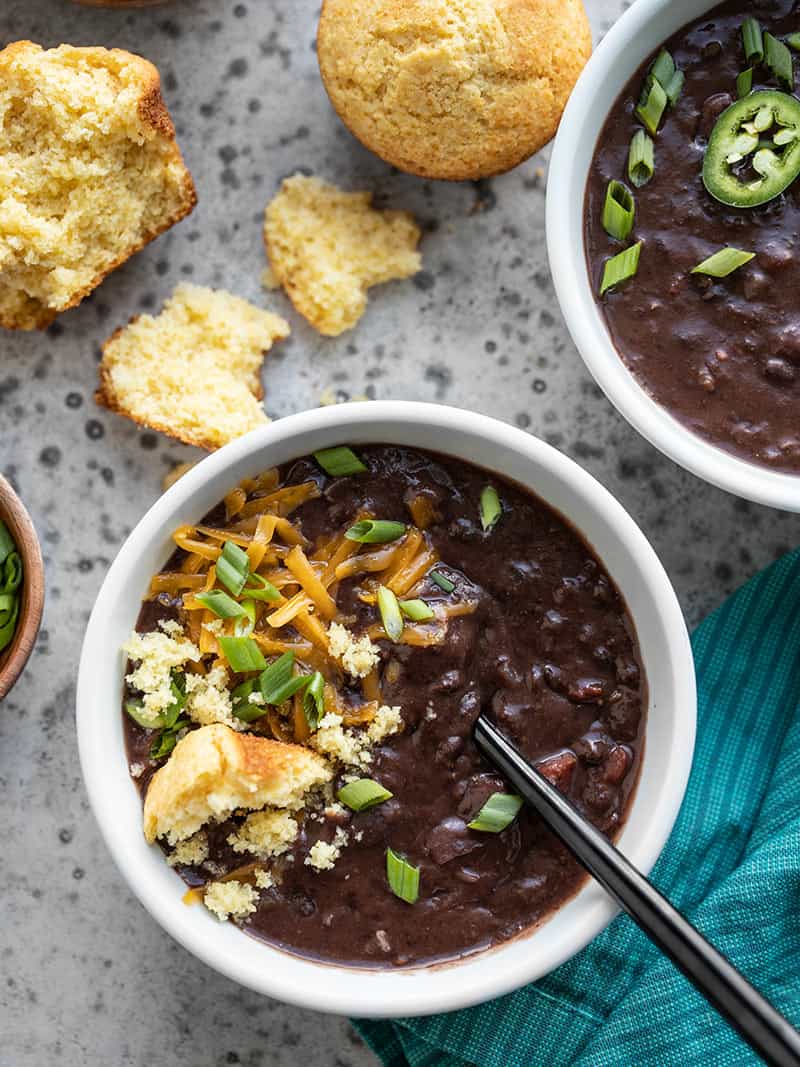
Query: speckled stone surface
(87, 976)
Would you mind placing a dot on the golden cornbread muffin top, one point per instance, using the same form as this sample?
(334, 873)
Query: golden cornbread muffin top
(457, 89)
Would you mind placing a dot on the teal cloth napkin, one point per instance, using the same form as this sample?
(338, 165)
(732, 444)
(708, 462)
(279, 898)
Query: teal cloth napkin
(732, 865)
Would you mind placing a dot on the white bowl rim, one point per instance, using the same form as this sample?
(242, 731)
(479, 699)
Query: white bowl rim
(323, 986)
(629, 41)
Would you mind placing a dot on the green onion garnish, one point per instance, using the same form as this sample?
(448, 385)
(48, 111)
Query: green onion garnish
(339, 462)
(652, 104)
(779, 60)
(491, 509)
(618, 210)
(620, 268)
(314, 701)
(416, 610)
(263, 590)
(375, 531)
(641, 159)
(233, 567)
(674, 87)
(793, 40)
(744, 83)
(242, 707)
(497, 813)
(723, 263)
(390, 613)
(663, 68)
(751, 38)
(169, 716)
(224, 606)
(278, 681)
(245, 623)
(362, 794)
(7, 545)
(403, 878)
(242, 653)
(167, 740)
(10, 581)
(444, 583)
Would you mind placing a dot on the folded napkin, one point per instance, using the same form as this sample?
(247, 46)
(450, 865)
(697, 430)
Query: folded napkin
(732, 865)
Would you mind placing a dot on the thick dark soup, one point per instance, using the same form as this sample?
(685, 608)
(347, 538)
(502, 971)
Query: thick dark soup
(526, 624)
(721, 354)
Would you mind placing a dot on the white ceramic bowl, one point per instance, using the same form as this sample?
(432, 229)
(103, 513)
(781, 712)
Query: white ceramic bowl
(643, 27)
(528, 461)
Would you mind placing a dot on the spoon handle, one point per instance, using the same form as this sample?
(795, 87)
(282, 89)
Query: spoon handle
(764, 1028)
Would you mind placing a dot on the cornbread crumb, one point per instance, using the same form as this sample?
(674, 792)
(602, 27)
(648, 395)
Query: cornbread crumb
(89, 173)
(265, 833)
(345, 746)
(322, 855)
(191, 852)
(327, 247)
(208, 699)
(214, 626)
(454, 89)
(264, 879)
(157, 654)
(213, 771)
(136, 770)
(193, 370)
(388, 720)
(230, 900)
(358, 655)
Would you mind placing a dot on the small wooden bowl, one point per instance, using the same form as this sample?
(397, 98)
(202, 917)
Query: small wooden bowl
(18, 521)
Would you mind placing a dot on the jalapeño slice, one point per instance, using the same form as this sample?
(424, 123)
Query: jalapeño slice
(738, 170)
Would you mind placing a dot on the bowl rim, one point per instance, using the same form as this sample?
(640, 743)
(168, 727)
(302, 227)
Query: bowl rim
(330, 987)
(637, 33)
(14, 658)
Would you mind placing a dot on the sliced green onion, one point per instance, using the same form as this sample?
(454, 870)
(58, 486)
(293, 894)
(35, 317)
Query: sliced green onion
(276, 675)
(375, 531)
(12, 573)
(641, 159)
(10, 581)
(723, 263)
(220, 603)
(793, 40)
(674, 87)
(339, 462)
(620, 268)
(8, 625)
(497, 813)
(246, 622)
(169, 716)
(390, 613)
(243, 708)
(402, 876)
(416, 610)
(242, 653)
(135, 708)
(444, 583)
(779, 60)
(263, 590)
(362, 794)
(314, 701)
(663, 68)
(744, 83)
(652, 104)
(7, 545)
(752, 40)
(763, 119)
(233, 567)
(167, 740)
(491, 509)
(618, 210)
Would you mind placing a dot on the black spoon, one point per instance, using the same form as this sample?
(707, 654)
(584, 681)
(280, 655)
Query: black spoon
(761, 1025)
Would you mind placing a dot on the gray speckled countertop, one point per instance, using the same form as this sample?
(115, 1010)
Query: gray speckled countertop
(87, 976)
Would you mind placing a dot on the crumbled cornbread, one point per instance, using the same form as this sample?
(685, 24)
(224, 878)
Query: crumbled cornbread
(264, 879)
(157, 655)
(231, 899)
(190, 852)
(265, 833)
(327, 247)
(322, 855)
(193, 371)
(358, 655)
(89, 173)
(352, 747)
(388, 720)
(208, 698)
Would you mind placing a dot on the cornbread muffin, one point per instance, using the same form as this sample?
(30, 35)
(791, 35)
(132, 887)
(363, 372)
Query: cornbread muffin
(194, 370)
(457, 89)
(214, 771)
(89, 173)
(327, 247)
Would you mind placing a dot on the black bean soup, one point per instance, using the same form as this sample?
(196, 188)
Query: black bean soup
(549, 651)
(721, 354)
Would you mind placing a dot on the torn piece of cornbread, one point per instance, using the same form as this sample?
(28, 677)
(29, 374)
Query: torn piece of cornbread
(194, 370)
(213, 771)
(89, 173)
(326, 247)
